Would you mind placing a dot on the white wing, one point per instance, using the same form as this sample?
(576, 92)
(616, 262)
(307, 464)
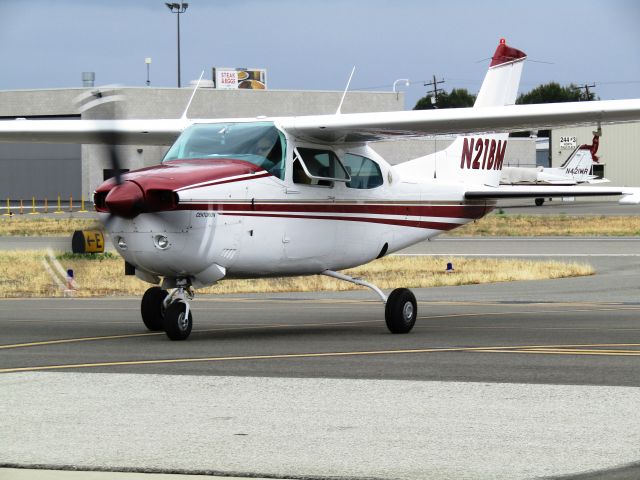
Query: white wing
(376, 126)
(343, 128)
(121, 132)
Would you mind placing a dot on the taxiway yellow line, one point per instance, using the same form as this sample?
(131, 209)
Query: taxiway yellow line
(333, 324)
(148, 334)
(75, 340)
(228, 359)
(537, 349)
(609, 353)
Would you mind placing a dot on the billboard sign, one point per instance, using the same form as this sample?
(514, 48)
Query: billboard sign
(245, 78)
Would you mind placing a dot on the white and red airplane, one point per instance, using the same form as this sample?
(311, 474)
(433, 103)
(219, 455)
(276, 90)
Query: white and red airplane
(266, 197)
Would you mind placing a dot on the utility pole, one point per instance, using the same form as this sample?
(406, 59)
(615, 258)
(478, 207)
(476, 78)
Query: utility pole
(434, 90)
(586, 88)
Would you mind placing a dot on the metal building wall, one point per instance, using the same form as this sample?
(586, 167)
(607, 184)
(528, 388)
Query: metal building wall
(39, 170)
(619, 150)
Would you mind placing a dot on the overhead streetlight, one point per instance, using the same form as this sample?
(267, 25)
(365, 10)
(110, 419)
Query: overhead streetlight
(406, 83)
(395, 90)
(178, 8)
(147, 61)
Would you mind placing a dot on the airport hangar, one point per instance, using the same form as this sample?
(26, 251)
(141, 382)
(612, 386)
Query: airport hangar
(48, 170)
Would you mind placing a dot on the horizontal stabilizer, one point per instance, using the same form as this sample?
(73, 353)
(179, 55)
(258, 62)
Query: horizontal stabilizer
(631, 195)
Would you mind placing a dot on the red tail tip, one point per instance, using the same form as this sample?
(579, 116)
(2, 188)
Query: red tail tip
(506, 54)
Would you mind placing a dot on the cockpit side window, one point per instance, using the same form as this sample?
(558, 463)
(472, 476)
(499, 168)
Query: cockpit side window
(365, 173)
(315, 166)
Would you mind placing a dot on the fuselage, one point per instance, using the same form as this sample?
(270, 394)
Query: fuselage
(229, 209)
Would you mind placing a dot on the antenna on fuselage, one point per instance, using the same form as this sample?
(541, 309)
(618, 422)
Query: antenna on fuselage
(346, 89)
(184, 115)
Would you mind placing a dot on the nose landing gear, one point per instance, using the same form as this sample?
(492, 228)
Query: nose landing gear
(178, 321)
(169, 311)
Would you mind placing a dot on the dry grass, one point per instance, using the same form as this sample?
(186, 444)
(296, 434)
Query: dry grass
(549, 225)
(23, 275)
(26, 226)
(493, 225)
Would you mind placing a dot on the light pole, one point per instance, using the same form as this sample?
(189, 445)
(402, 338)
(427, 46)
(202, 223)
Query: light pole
(406, 83)
(147, 61)
(178, 8)
(405, 80)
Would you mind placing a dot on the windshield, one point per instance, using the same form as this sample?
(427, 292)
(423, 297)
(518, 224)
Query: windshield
(257, 142)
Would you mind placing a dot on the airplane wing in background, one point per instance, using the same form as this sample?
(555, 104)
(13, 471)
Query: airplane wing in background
(630, 195)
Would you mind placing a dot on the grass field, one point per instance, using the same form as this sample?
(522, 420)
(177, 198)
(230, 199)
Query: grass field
(500, 225)
(25, 274)
(492, 225)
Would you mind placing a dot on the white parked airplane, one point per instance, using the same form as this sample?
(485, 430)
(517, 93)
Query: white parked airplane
(261, 197)
(578, 168)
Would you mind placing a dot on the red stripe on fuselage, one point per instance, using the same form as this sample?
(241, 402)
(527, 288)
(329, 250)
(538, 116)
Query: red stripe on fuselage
(449, 211)
(386, 221)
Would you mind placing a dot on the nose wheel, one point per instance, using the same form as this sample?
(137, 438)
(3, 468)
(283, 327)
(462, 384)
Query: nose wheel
(178, 321)
(170, 312)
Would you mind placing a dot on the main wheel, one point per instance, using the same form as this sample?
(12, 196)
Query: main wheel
(539, 201)
(152, 309)
(401, 311)
(176, 323)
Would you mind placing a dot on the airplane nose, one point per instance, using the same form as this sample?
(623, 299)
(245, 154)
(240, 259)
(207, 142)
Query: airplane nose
(125, 200)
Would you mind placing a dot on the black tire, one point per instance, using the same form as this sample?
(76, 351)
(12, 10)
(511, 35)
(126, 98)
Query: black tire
(401, 311)
(152, 309)
(539, 201)
(175, 324)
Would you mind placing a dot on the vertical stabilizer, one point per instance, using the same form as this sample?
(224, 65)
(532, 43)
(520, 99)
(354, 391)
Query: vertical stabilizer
(500, 85)
(477, 158)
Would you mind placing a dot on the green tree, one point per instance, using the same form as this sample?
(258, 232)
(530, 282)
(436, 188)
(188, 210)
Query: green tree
(458, 98)
(553, 92)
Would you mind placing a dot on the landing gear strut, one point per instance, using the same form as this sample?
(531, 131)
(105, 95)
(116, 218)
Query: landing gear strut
(178, 319)
(401, 308)
(170, 312)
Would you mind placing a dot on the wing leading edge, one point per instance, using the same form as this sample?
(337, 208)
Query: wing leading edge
(127, 132)
(344, 128)
(359, 127)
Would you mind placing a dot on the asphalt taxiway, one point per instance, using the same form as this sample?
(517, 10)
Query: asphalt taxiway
(510, 380)
(284, 385)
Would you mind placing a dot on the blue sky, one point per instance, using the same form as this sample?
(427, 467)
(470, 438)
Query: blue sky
(312, 44)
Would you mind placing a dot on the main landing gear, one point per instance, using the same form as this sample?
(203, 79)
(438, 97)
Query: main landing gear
(170, 312)
(401, 308)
